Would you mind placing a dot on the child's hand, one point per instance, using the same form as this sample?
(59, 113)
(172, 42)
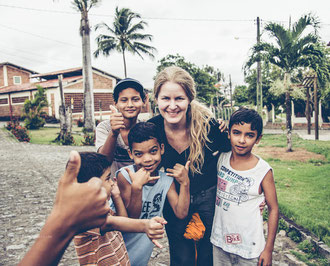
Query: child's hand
(115, 192)
(265, 258)
(116, 120)
(155, 229)
(141, 177)
(262, 207)
(222, 125)
(180, 173)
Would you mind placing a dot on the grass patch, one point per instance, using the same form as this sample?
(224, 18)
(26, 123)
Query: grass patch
(303, 188)
(46, 135)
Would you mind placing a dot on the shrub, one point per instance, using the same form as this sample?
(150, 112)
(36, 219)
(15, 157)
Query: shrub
(80, 123)
(11, 124)
(67, 139)
(21, 133)
(89, 139)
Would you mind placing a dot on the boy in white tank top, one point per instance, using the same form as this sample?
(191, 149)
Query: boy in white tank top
(244, 182)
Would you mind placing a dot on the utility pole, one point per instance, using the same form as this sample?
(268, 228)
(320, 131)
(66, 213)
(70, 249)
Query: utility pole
(259, 82)
(231, 94)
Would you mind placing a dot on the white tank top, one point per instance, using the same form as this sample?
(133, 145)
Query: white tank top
(237, 224)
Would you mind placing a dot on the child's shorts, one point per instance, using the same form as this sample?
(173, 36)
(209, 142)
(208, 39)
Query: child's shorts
(223, 258)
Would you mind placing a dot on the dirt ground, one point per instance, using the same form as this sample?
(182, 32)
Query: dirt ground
(299, 154)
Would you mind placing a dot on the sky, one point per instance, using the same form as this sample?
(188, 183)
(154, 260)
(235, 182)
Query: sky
(43, 35)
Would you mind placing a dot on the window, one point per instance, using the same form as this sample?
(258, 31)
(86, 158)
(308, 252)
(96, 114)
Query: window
(17, 80)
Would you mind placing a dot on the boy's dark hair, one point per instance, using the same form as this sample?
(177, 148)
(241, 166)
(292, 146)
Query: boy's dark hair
(128, 83)
(92, 165)
(141, 132)
(248, 116)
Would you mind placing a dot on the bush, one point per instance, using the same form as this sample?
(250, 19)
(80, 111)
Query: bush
(67, 139)
(20, 132)
(89, 139)
(80, 123)
(34, 122)
(11, 124)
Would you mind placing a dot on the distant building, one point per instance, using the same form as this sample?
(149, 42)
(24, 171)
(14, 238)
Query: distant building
(18, 84)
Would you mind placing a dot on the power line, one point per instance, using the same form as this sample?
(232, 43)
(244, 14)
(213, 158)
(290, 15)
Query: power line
(152, 18)
(39, 36)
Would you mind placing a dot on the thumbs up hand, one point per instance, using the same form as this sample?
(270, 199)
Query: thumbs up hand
(116, 120)
(180, 173)
(81, 206)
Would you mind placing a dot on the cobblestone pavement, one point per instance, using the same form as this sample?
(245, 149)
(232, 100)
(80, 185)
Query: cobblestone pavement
(28, 180)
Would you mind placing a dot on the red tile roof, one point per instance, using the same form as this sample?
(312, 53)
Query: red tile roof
(33, 86)
(19, 67)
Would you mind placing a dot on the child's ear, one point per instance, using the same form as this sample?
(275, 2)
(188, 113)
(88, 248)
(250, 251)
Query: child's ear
(258, 139)
(162, 149)
(130, 154)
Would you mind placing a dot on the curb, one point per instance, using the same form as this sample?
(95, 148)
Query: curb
(305, 234)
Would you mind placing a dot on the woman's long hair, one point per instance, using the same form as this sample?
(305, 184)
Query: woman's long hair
(198, 115)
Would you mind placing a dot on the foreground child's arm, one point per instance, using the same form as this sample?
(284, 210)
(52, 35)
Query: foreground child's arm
(77, 208)
(179, 203)
(154, 228)
(132, 193)
(117, 200)
(268, 187)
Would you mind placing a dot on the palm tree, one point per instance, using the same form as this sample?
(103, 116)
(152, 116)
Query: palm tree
(124, 36)
(291, 51)
(83, 6)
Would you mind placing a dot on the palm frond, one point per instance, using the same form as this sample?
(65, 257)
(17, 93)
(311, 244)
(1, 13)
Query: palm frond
(282, 36)
(305, 21)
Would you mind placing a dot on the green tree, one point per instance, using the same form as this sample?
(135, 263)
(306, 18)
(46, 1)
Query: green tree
(269, 74)
(32, 110)
(205, 77)
(241, 96)
(124, 36)
(291, 51)
(83, 6)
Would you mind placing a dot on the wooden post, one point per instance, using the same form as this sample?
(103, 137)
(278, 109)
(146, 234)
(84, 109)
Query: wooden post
(308, 111)
(316, 110)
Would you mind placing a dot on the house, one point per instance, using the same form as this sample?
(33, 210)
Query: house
(18, 84)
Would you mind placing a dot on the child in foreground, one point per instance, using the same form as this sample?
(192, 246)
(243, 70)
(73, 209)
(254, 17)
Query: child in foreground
(104, 246)
(244, 181)
(144, 187)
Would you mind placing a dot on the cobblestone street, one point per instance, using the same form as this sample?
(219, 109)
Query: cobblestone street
(28, 182)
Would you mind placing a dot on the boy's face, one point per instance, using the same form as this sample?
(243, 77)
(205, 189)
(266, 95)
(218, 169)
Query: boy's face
(147, 154)
(129, 103)
(107, 182)
(242, 139)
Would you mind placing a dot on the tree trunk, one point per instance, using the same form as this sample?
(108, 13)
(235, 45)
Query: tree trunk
(62, 112)
(89, 121)
(288, 112)
(124, 63)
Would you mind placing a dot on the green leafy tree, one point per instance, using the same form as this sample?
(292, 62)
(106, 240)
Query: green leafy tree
(241, 96)
(124, 36)
(205, 77)
(291, 50)
(32, 110)
(269, 74)
(83, 6)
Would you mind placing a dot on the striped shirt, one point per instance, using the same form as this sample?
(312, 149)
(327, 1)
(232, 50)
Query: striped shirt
(96, 249)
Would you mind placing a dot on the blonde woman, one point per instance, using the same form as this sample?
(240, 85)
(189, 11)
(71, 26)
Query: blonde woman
(189, 133)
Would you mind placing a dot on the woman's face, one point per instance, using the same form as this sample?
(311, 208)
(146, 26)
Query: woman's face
(173, 103)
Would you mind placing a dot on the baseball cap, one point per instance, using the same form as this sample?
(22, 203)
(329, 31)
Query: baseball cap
(128, 83)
